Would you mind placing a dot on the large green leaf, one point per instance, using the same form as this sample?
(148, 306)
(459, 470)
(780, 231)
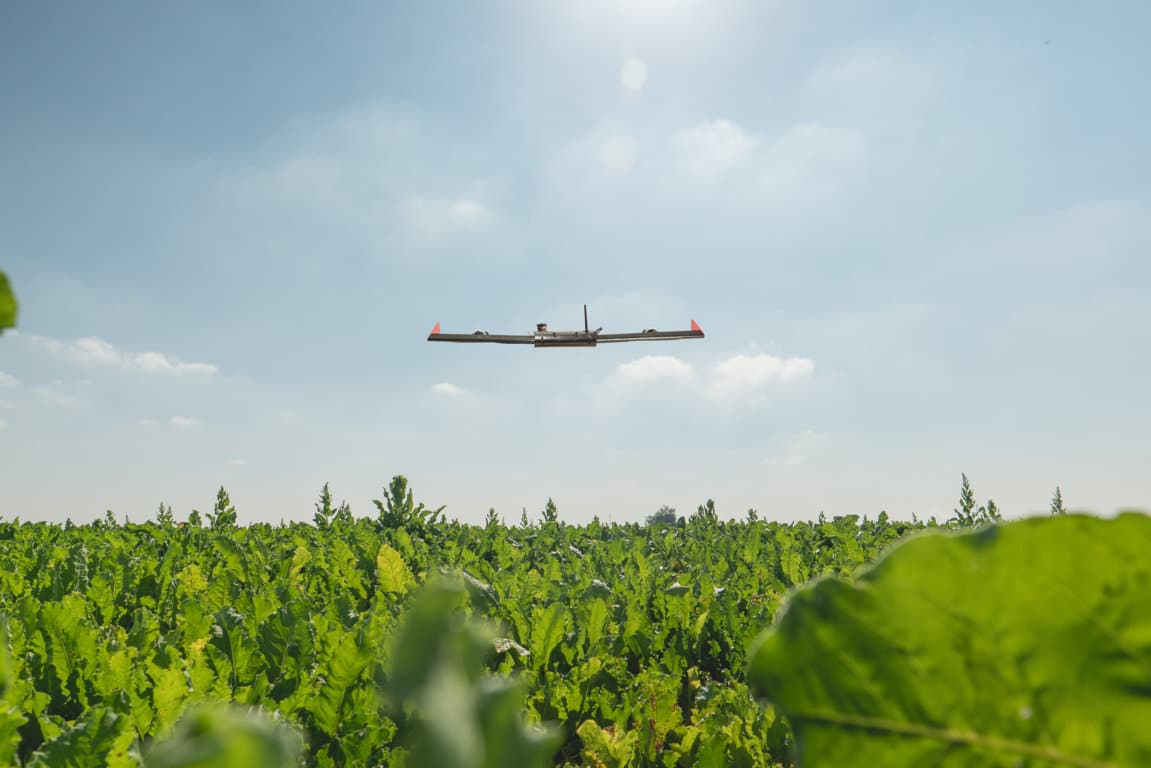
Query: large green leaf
(8, 304)
(549, 625)
(347, 658)
(392, 573)
(1023, 644)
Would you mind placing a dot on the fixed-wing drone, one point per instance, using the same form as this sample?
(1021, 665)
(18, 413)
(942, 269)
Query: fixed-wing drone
(585, 338)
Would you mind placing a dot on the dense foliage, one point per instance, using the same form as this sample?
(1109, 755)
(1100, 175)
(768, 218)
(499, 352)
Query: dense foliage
(629, 641)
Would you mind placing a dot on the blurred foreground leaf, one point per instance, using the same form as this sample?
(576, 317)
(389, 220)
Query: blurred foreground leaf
(223, 737)
(8, 304)
(1023, 644)
(464, 717)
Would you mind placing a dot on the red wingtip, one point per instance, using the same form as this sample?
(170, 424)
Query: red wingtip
(436, 329)
(695, 326)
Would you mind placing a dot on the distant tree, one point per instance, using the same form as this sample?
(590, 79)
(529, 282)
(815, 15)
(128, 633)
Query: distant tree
(492, 521)
(164, 515)
(524, 522)
(752, 516)
(550, 513)
(665, 515)
(1057, 507)
(194, 519)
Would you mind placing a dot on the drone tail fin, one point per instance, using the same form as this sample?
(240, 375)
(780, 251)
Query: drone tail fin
(695, 326)
(436, 330)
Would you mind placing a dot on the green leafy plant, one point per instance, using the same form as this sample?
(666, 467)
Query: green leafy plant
(223, 514)
(968, 515)
(398, 509)
(1022, 644)
(327, 515)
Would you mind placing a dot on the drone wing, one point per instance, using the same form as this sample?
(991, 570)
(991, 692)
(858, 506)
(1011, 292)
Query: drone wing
(653, 335)
(478, 337)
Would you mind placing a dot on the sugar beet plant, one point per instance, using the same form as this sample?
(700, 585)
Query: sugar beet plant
(405, 639)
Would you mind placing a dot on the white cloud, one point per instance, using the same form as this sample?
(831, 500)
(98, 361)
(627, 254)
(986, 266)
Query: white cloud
(618, 154)
(3, 424)
(446, 389)
(440, 217)
(729, 378)
(94, 350)
(52, 345)
(370, 177)
(807, 161)
(158, 362)
(743, 374)
(714, 147)
(8, 381)
(592, 164)
(633, 74)
(50, 395)
(653, 368)
(184, 422)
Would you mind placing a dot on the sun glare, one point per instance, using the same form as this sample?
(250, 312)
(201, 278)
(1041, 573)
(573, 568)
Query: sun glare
(659, 19)
(654, 7)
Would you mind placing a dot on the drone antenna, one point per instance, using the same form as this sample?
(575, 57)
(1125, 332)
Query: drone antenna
(585, 330)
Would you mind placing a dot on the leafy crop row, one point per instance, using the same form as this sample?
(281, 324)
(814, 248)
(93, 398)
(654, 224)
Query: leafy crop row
(407, 639)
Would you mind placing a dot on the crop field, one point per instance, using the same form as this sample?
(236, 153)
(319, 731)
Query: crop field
(405, 639)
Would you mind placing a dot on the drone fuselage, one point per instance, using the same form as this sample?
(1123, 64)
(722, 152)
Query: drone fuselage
(564, 338)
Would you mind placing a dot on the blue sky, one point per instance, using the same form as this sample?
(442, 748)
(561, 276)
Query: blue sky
(915, 235)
